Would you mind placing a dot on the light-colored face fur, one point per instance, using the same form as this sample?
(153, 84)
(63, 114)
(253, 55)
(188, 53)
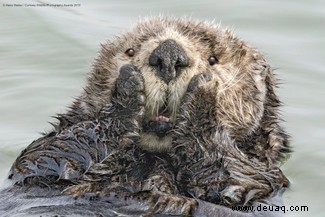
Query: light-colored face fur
(239, 75)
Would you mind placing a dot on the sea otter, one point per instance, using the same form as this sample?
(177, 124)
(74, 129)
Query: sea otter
(176, 114)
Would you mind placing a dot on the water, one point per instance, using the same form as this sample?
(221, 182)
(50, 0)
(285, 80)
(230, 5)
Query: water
(45, 53)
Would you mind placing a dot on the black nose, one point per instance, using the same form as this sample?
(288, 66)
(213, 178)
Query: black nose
(169, 57)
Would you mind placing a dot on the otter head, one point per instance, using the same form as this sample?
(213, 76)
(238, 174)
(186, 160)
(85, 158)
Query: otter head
(169, 52)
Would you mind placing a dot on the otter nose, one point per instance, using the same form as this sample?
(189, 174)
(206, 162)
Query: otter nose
(169, 57)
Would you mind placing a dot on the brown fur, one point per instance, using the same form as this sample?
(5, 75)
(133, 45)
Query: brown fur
(246, 98)
(225, 145)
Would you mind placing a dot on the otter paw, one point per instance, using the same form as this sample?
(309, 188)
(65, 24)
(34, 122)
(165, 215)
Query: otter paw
(171, 205)
(197, 87)
(199, 81)
(129, 93)
(128, 100)
(198, 104)
(130, 81)
(233, 195)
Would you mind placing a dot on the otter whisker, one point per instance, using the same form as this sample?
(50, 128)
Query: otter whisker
(233, 80)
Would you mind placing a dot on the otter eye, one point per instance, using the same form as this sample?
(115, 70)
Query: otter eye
(212, 60)
(130, 52)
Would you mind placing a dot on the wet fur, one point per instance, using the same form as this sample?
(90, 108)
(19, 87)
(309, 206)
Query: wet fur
(246, 98)
(226, 145)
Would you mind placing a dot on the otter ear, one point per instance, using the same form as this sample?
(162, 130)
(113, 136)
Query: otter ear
(277, 147)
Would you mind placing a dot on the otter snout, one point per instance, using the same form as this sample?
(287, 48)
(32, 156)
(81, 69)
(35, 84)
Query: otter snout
(168, 58)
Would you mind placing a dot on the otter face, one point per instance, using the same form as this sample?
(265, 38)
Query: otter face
(169, 53)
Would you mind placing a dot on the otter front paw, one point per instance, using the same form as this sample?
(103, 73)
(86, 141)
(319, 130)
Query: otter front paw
(127, 105)
(197, 111)
(130, 83)
(129, 98)
(198, 82)
(199, 94)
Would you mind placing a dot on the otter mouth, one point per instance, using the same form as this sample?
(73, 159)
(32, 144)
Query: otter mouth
(160, 124)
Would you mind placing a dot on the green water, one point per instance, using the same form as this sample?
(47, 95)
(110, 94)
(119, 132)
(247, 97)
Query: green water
(45, 53)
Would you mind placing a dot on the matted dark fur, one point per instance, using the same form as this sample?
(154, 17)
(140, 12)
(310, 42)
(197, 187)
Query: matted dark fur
(175, 112)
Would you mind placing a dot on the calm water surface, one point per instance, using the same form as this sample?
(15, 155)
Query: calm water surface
(45, 53)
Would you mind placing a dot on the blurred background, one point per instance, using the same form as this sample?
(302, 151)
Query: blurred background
(45, 53)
